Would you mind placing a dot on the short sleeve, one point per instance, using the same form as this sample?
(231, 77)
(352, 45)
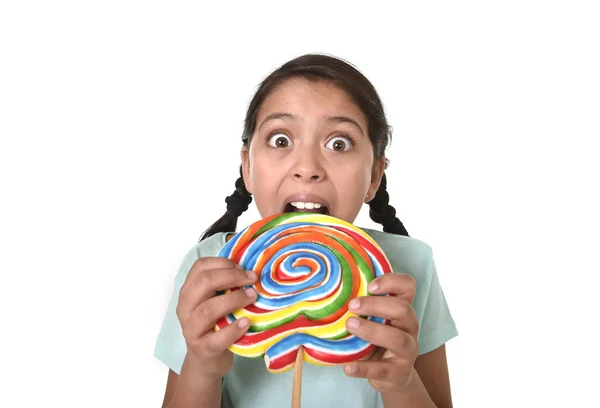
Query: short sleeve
(437, 325)
(170, 346)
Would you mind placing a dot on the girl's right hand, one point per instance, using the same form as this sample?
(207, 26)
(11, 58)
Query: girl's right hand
(199, 309)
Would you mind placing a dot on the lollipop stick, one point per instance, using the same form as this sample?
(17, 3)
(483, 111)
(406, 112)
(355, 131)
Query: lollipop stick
(297, 386)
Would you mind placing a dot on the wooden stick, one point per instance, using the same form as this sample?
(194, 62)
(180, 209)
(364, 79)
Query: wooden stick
(297, 385)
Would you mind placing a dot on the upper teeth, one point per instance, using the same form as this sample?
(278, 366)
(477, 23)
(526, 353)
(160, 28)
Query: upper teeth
(302, 205)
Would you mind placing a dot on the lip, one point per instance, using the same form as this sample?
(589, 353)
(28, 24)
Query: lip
(310, 198)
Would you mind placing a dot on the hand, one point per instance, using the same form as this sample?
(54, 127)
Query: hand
(390, 370)
(199, 309)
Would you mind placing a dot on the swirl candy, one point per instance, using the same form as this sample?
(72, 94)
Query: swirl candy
(309, 267)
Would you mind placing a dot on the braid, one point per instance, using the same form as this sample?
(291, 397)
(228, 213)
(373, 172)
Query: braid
(237, 203)
(383, 213)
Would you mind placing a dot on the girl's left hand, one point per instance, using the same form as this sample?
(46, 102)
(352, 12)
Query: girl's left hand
(390, 370)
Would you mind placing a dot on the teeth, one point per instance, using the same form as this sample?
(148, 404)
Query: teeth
(302, 205)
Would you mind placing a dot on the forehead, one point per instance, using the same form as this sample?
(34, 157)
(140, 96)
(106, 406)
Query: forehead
(311, 100)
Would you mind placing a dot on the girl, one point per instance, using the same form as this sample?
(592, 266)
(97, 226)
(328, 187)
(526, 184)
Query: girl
(314, 139)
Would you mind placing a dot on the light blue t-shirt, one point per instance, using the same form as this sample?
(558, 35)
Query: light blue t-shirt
(250, 385)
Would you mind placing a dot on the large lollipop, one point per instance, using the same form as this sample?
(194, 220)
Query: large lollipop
(309, 267)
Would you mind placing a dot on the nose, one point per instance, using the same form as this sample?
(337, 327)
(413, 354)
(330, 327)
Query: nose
(308, 167)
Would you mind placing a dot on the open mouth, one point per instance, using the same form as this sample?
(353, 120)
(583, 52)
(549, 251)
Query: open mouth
(306, 207)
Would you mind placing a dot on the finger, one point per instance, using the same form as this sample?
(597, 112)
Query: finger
(204, 286)
(205, 264)
(397, 310)
(398, 284)
(378, 355)
(205, 316)
(211, 262)
(395, 340)
(219, 341)
(376, 370)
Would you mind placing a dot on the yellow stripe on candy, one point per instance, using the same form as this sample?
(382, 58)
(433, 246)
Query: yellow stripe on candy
(329, 331)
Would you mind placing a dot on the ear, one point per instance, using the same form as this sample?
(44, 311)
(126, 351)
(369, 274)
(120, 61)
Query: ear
(245, 156)
(376, 175)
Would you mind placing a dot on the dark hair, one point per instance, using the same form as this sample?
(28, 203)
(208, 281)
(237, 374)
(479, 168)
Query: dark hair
(317, 67)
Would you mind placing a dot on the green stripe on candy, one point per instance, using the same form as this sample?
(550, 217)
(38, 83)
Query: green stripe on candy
(361, 264)
(274, 223)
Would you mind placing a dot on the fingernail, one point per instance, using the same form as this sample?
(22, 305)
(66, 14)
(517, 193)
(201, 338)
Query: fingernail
(353, 323)
(373, 287)
(250, 292)
(354, 304)
(243, 323)
(351, 370)
(251, 274)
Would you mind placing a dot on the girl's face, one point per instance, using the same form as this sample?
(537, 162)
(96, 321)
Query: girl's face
(311, 151)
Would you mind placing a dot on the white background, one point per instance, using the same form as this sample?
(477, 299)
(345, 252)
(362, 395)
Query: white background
(120, 126)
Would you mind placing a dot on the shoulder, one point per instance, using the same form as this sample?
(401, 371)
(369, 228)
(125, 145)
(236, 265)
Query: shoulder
(406, 254)
(207, 247)
(211, 245)
(397, 242)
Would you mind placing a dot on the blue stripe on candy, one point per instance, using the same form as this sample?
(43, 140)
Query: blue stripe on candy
(376, 319)
(225, 252)
(349, 345)
(378, 271)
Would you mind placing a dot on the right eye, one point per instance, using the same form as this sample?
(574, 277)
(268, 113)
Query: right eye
(279, 140)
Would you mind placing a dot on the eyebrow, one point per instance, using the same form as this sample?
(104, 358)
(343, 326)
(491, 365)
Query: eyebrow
(277, 115)
(289, 116)
(344, 119)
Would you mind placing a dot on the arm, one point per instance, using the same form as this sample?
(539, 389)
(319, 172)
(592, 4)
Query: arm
(430, 384)
(191, 390)
(172, 381)
(432, 368)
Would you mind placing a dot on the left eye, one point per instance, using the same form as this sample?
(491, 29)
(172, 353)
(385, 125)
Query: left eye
(339, 144)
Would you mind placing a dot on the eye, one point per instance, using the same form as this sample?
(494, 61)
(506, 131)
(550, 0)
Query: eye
(340, 144)
(279, 140)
